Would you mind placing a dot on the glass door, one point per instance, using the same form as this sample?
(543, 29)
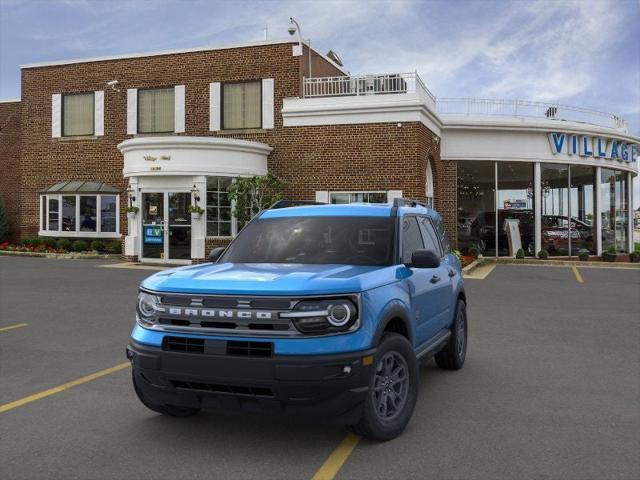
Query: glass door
(153, 215)
(179, 242)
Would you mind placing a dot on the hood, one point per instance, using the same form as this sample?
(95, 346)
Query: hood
(270, 279)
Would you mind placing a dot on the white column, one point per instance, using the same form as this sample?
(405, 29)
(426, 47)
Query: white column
(598, 212)
(132, 241)
(537, 207)
(199, 226)
(630, 211)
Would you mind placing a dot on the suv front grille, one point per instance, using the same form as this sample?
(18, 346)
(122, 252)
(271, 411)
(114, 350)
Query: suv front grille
(250, 349)
(217, 347)
(183, 344)
(229, 389)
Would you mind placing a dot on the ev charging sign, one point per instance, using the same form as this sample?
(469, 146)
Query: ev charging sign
(596, 147)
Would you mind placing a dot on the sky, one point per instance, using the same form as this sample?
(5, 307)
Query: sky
(579, 52)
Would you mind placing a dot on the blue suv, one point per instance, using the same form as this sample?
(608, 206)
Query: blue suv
(312, 309)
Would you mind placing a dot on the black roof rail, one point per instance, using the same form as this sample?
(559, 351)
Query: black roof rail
(293, 203)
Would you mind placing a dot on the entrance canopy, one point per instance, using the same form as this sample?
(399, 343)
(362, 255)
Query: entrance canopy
(80, 186)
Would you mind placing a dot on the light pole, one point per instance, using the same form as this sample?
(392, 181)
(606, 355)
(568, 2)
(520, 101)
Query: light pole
(294, 27)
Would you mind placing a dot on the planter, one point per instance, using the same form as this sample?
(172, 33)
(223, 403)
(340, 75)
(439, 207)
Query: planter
(609, 257)
(131, 216)
(634, 257)
(195, 216)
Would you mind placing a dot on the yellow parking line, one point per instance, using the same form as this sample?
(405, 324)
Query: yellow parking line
(334, 463)
(37, 396)
(577, 274)
(11, 327)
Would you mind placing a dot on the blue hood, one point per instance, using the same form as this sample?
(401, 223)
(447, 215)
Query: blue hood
(270, 279)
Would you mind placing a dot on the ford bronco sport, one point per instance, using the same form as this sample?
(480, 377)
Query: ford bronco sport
(313, 309)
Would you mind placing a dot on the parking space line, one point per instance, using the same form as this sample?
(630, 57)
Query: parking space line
(37, 396)
(133, 266)
(11, 327)
(577, 274)
(334, 463)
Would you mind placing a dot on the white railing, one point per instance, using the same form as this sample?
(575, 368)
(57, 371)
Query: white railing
(357, 85)
(524, 108)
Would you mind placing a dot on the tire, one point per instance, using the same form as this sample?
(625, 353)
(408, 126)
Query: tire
(394, 353)
(169, 410)
(452, 356)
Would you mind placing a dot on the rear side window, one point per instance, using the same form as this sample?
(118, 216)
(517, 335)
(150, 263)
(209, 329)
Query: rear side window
(411, 238)
(439, 224)
(431, 241)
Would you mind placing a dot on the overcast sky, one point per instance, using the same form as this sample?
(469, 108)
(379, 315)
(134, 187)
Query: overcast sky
(583, 52)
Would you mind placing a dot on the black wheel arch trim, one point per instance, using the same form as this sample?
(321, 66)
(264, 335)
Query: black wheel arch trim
(392, 312)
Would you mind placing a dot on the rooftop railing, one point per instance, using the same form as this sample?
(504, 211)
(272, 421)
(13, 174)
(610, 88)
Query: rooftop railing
(402, 83)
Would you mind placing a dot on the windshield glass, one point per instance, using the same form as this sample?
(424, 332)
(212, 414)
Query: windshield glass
(315, 240)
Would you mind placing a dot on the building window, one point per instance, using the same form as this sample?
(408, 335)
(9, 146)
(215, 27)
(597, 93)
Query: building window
(429, 185)
(357, 197)
(219, 211)
(156, 110)
(75, 215)
(78, 114)
(241, 105)
(614, 209)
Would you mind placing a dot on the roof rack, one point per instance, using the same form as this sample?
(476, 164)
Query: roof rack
(407, 202)
(293, 203)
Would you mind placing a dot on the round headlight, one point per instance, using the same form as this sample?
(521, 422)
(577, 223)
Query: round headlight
(147, 307)
(339, 314)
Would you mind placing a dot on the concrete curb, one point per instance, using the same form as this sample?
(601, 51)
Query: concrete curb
(472, 266)
(564, 263)
(63, 256)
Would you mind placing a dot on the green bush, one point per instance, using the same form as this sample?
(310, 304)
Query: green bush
(634, 257)
(543, 254)
(79, 246)
(98, 245)
(64, 244)
(520, 253)
(474, 252)
(47, 242)
(28, 241)
(583, 255)
(611, 250)
(114, 247)
(4, 222)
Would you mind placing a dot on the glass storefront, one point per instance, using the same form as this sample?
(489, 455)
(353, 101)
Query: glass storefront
(614, 209)
(492, 222)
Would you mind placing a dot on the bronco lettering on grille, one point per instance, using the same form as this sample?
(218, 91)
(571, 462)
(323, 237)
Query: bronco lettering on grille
(214, 313)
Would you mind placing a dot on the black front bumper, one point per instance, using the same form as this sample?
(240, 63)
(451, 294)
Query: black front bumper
(319, 385)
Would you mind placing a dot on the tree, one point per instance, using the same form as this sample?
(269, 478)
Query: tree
(4, 222)
(253, 194)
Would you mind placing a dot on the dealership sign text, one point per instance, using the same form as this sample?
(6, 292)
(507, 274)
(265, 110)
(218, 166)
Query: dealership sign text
(588, 146)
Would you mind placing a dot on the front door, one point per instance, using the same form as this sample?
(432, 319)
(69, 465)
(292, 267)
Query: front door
(166, 227)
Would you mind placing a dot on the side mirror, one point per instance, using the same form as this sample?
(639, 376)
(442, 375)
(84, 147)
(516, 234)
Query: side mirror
(215, 254)
(424, 259)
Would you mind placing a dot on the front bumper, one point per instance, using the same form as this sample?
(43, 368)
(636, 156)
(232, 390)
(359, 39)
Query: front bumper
(318, 385)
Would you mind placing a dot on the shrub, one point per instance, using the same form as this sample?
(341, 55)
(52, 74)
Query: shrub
(28, 241)
(79, 246)
(611, 250)
(47, 242)
(520, 253)
(543, 254)
(115, 246)
(474, 252)
(97, 245)
(64, 244)
(583, 255)
(634, 257)
(4, 222)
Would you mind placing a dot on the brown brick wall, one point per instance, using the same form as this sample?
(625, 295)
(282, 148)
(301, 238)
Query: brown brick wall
(10, 162)
(381, 156)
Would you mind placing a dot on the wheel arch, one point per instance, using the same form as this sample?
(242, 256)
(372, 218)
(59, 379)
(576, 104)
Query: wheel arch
(396, 320)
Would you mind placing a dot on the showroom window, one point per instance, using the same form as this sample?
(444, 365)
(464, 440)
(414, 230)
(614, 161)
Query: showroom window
(614, 209)
(156, 110)
(219, 209)
(357, 197)
(77, 209)
(516, 223)
(477, 207)
(241, 105)
(78, 114)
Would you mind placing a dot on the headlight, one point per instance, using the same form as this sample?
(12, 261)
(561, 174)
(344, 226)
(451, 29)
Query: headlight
(147, 307)
(323, 315)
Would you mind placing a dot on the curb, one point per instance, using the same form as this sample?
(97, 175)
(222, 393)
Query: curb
(472, 266)
(565, 263)
(63, 256)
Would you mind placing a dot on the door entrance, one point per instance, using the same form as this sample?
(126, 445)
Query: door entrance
(166, 227)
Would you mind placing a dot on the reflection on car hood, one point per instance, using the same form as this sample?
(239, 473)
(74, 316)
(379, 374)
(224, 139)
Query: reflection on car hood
(270, 279)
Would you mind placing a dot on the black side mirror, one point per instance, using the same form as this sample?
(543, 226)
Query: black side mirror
(215, 254)
(424, 259)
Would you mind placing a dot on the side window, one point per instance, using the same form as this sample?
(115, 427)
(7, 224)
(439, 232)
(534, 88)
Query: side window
(411, 238)
(444, 240)
(430, 238)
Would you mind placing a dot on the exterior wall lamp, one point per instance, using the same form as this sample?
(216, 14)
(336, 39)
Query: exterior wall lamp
(294, 27)
(131, 194)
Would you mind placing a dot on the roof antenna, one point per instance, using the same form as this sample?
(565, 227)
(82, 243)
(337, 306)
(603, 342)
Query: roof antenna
(266, 32)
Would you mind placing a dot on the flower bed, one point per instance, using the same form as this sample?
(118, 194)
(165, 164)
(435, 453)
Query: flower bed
(61, 246)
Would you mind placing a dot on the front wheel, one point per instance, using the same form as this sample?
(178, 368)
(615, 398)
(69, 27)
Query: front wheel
(169, 410)
(452, 356)
(393, 390)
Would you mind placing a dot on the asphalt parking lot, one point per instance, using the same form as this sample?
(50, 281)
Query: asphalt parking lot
(551, 389)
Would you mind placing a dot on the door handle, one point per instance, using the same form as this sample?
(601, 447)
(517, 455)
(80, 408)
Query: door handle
(435, 279)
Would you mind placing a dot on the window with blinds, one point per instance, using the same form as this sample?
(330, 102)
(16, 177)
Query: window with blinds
(241, 105)
(156, 110)
(77, 114)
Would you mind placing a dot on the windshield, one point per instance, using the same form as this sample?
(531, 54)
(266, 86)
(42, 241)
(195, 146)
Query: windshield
(315, 240)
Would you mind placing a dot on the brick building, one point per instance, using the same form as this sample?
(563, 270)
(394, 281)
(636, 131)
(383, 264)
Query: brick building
(165, 130)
